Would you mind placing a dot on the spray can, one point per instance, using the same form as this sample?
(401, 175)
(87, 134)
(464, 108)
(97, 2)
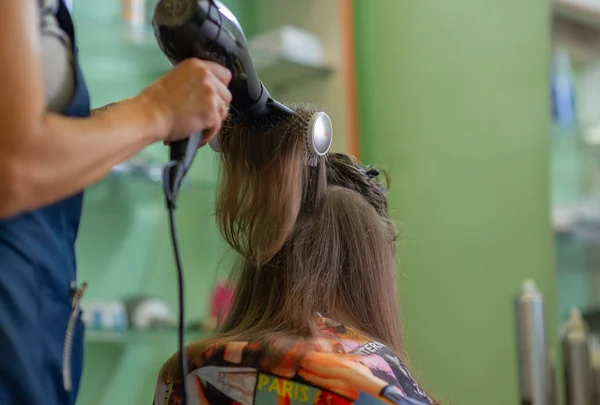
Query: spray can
(578, 370)
(595, 358)
(551, 379)
(532, 349)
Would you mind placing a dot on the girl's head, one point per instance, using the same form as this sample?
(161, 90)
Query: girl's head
(311, 238)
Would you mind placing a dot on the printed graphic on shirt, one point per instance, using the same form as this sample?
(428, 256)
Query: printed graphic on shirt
(381, 360)
(282, 371)
(273, 390)
(237, 383)
(163, 393)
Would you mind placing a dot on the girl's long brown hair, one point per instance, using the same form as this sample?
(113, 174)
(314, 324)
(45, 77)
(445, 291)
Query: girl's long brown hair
(311, 238)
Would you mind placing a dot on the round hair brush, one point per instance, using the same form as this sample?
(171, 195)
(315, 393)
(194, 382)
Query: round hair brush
(313, 125)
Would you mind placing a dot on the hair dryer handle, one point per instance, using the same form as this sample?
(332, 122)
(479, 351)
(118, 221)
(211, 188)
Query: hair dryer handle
(182, 155)
(185, 149)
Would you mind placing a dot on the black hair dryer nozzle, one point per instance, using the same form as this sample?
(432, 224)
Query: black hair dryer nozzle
(208, 30)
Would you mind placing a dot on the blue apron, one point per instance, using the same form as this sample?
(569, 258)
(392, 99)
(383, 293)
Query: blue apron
(41, 332)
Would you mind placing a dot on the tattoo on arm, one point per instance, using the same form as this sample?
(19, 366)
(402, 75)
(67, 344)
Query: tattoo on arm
(102, 109)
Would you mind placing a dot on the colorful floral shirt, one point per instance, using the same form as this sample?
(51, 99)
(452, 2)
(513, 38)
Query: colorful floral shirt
(342, 367)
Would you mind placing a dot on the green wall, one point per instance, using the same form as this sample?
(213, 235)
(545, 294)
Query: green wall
(454, 102)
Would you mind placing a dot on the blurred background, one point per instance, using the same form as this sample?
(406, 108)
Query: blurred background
(487, 117)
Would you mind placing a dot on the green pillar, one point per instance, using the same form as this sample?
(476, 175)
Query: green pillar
(454, 101)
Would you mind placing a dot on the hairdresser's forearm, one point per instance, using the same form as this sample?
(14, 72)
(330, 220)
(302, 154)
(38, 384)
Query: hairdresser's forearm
(65, 155)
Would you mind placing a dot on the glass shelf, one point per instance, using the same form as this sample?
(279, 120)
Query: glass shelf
(121, 367)
(583, 12)
(568, 218)
(576, 26)
(144, 170)
(576, 239)
(279, 72)
(139, 169)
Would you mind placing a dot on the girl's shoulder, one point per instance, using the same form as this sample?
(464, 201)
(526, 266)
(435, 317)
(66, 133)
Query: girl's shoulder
(381, 361)
(340, 366)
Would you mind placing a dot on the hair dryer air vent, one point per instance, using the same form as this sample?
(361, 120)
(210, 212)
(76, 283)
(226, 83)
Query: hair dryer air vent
(174, 12)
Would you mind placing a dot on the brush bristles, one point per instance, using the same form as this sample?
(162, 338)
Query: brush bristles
(271, 132)
(313, 160)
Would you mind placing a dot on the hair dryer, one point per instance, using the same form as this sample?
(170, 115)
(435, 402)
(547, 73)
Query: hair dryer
(208, 30)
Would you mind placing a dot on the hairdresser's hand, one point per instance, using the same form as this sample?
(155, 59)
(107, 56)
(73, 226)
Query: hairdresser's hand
(192, 97)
